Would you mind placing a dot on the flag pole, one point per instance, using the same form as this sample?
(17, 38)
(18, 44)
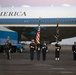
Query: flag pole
(57, 32)
(38, 33)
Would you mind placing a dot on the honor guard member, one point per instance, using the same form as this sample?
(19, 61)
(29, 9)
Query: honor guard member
(74, 51)
(4, 48)
(7, 50)
(32, 49)
(9, 43)
(38, 51)
(57, 51)
(44, 49)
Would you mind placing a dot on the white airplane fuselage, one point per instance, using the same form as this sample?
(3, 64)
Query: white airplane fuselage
(46, 17)
(30, 16)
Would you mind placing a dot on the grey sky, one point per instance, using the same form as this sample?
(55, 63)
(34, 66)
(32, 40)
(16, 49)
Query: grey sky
(36, 2)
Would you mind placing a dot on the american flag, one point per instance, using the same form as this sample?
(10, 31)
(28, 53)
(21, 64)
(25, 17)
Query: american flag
(38, 35)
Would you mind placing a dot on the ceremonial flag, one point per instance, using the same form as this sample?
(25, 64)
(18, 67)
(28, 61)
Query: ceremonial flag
(57, 33)
(57, 30)
(38, 35)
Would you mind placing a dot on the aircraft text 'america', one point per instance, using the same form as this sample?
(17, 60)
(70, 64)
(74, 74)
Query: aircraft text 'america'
(19, 13)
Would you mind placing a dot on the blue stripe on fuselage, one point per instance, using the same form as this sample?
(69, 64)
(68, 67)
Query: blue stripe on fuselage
(36, 20)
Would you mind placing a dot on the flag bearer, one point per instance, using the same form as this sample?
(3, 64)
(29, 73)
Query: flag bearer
(57, 51)
(38, 51)
(32, 49)
(44, 49)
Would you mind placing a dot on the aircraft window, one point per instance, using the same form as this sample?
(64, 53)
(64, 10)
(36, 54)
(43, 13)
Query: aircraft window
(18, 20)
(1, 20)
(56, 21)
(65, 21)
(61, 21)
(46, 21)
(42, 21)
(36, 20)
(25, 21)
(68, 21)
(72, 21)
(50, 21)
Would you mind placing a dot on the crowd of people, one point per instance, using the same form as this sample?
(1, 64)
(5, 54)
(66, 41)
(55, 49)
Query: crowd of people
(41, 47)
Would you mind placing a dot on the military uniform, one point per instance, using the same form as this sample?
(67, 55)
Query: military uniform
(57, 51)
(32, 49)
(38, 51)
(44, 48)
(7, 48)
(74, 51)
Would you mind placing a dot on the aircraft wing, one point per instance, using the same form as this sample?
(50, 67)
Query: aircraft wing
(46, 33)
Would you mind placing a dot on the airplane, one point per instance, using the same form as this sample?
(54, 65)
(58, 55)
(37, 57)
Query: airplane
(25, 21)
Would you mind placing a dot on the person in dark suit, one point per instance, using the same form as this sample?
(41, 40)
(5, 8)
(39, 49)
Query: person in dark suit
(7, 50)
(57, 51)
(32, 49)
(74, 50)
(38, 51)
(44, 48)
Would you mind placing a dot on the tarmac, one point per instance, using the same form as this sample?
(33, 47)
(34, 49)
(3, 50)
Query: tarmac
(20, 63)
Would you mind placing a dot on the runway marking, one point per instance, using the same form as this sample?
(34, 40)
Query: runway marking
(57, 68)
(66, 72)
